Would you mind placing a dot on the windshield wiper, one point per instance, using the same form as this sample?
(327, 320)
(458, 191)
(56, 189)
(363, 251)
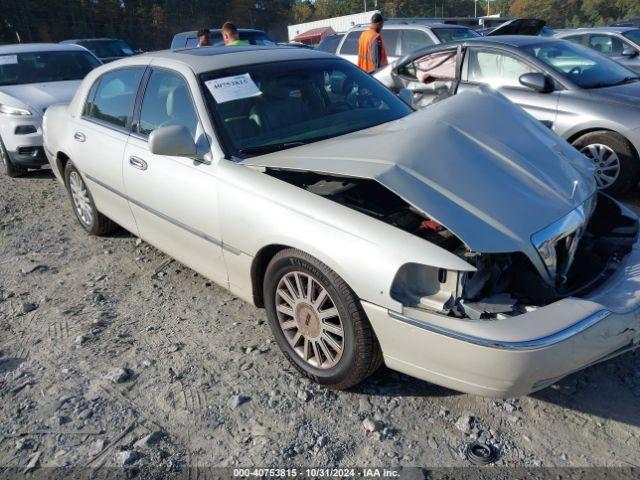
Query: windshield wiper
(614, 84)
(627, 80)
(274, 147)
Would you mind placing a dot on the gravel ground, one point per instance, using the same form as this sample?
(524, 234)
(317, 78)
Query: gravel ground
(113, 354)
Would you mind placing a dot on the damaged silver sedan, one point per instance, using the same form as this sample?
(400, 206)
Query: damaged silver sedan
(471, 250)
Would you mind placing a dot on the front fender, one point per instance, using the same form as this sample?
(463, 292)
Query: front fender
(258, 210)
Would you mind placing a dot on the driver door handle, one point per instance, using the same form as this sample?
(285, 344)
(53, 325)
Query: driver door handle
(138, 163)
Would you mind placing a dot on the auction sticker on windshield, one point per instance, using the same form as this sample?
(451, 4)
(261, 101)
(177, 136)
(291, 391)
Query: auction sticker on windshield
(228, 89)
(8, 59)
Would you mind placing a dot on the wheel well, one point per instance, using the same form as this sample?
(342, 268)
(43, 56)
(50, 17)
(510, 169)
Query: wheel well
(575, 136)
(61, 161)
(259, 268)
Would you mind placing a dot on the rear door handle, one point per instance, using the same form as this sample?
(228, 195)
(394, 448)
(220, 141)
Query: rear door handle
(138, 163)
(79, 136)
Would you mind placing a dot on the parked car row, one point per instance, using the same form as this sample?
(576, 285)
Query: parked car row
(464, 243)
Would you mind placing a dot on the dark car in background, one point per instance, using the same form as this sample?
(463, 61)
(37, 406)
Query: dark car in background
(106, 49)
(586, 98)
(190, 39)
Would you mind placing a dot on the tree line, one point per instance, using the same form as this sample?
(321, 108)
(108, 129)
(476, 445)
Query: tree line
(150, 24)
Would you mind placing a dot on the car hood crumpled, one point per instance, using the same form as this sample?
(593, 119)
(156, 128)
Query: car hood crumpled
(39, 96)
(475, 162)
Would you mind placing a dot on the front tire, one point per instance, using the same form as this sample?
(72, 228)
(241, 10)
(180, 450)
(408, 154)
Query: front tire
(616, 162)
(9, 168)
(83, 206)
(318, 321)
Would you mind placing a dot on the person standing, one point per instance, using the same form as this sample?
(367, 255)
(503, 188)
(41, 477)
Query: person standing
(371, 52)
(231, 36)
(204, 37)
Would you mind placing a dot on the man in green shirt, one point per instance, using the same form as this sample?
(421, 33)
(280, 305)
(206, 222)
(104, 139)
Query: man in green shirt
(231, 36)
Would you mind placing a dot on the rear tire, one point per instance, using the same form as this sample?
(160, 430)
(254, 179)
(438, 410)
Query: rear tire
(9, 168)
(83, 206)
(617, 164)
(336, 345)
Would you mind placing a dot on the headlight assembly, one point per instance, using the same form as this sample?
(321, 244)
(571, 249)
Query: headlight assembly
(557, 243)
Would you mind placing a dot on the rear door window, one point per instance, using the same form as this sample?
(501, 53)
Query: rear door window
(115, 96)
(606, 44)
(391, 41)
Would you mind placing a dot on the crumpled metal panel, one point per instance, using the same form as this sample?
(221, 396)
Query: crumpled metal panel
(475, 162)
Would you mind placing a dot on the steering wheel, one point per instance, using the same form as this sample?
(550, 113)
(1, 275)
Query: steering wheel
(367, 100)
(575, 71)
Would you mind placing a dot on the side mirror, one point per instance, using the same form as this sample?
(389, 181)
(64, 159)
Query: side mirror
(406, 96)
(174, 141)
(537, 81)
(630, 52)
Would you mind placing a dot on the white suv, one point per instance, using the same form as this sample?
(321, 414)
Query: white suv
(33, 77)
(404, 37)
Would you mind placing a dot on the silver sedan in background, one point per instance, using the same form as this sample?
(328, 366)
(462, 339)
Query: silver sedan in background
(621, 44)
(586, 98)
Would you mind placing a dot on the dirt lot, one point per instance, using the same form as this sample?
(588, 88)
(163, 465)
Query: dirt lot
(104, 341)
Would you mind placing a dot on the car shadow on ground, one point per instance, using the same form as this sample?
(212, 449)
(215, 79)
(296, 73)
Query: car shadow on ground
(388, 383)
(609, 390)
(42, 174)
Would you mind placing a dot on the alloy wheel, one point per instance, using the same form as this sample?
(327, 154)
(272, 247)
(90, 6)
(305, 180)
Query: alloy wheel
(309, 319)
(606, 161)
(81, 200)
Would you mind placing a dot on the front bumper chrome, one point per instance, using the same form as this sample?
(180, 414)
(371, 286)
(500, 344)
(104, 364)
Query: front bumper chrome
(535, 344)
(499, 368)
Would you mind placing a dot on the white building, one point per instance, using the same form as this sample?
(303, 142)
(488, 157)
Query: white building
(338, 24)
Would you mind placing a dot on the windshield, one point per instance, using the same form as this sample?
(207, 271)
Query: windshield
(453, 34)
(633, 35)
(41, 67)
(269, 107)
(107, 48)
(582, 66)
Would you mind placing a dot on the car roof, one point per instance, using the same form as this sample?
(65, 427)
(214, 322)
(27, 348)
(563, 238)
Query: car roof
(101, 39)
(39, 47)
(511, 40)
(412, 25)
(598, 30)
(205, 59)
(217, 30)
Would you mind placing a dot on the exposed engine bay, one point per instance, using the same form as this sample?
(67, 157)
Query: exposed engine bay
(504, 285)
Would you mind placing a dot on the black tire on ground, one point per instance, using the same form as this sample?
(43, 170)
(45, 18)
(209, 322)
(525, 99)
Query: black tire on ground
(361, 356)
(99, 224)
(9, 168)
(629, 162)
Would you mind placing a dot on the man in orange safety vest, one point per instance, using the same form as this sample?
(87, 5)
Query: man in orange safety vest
(371, 52)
